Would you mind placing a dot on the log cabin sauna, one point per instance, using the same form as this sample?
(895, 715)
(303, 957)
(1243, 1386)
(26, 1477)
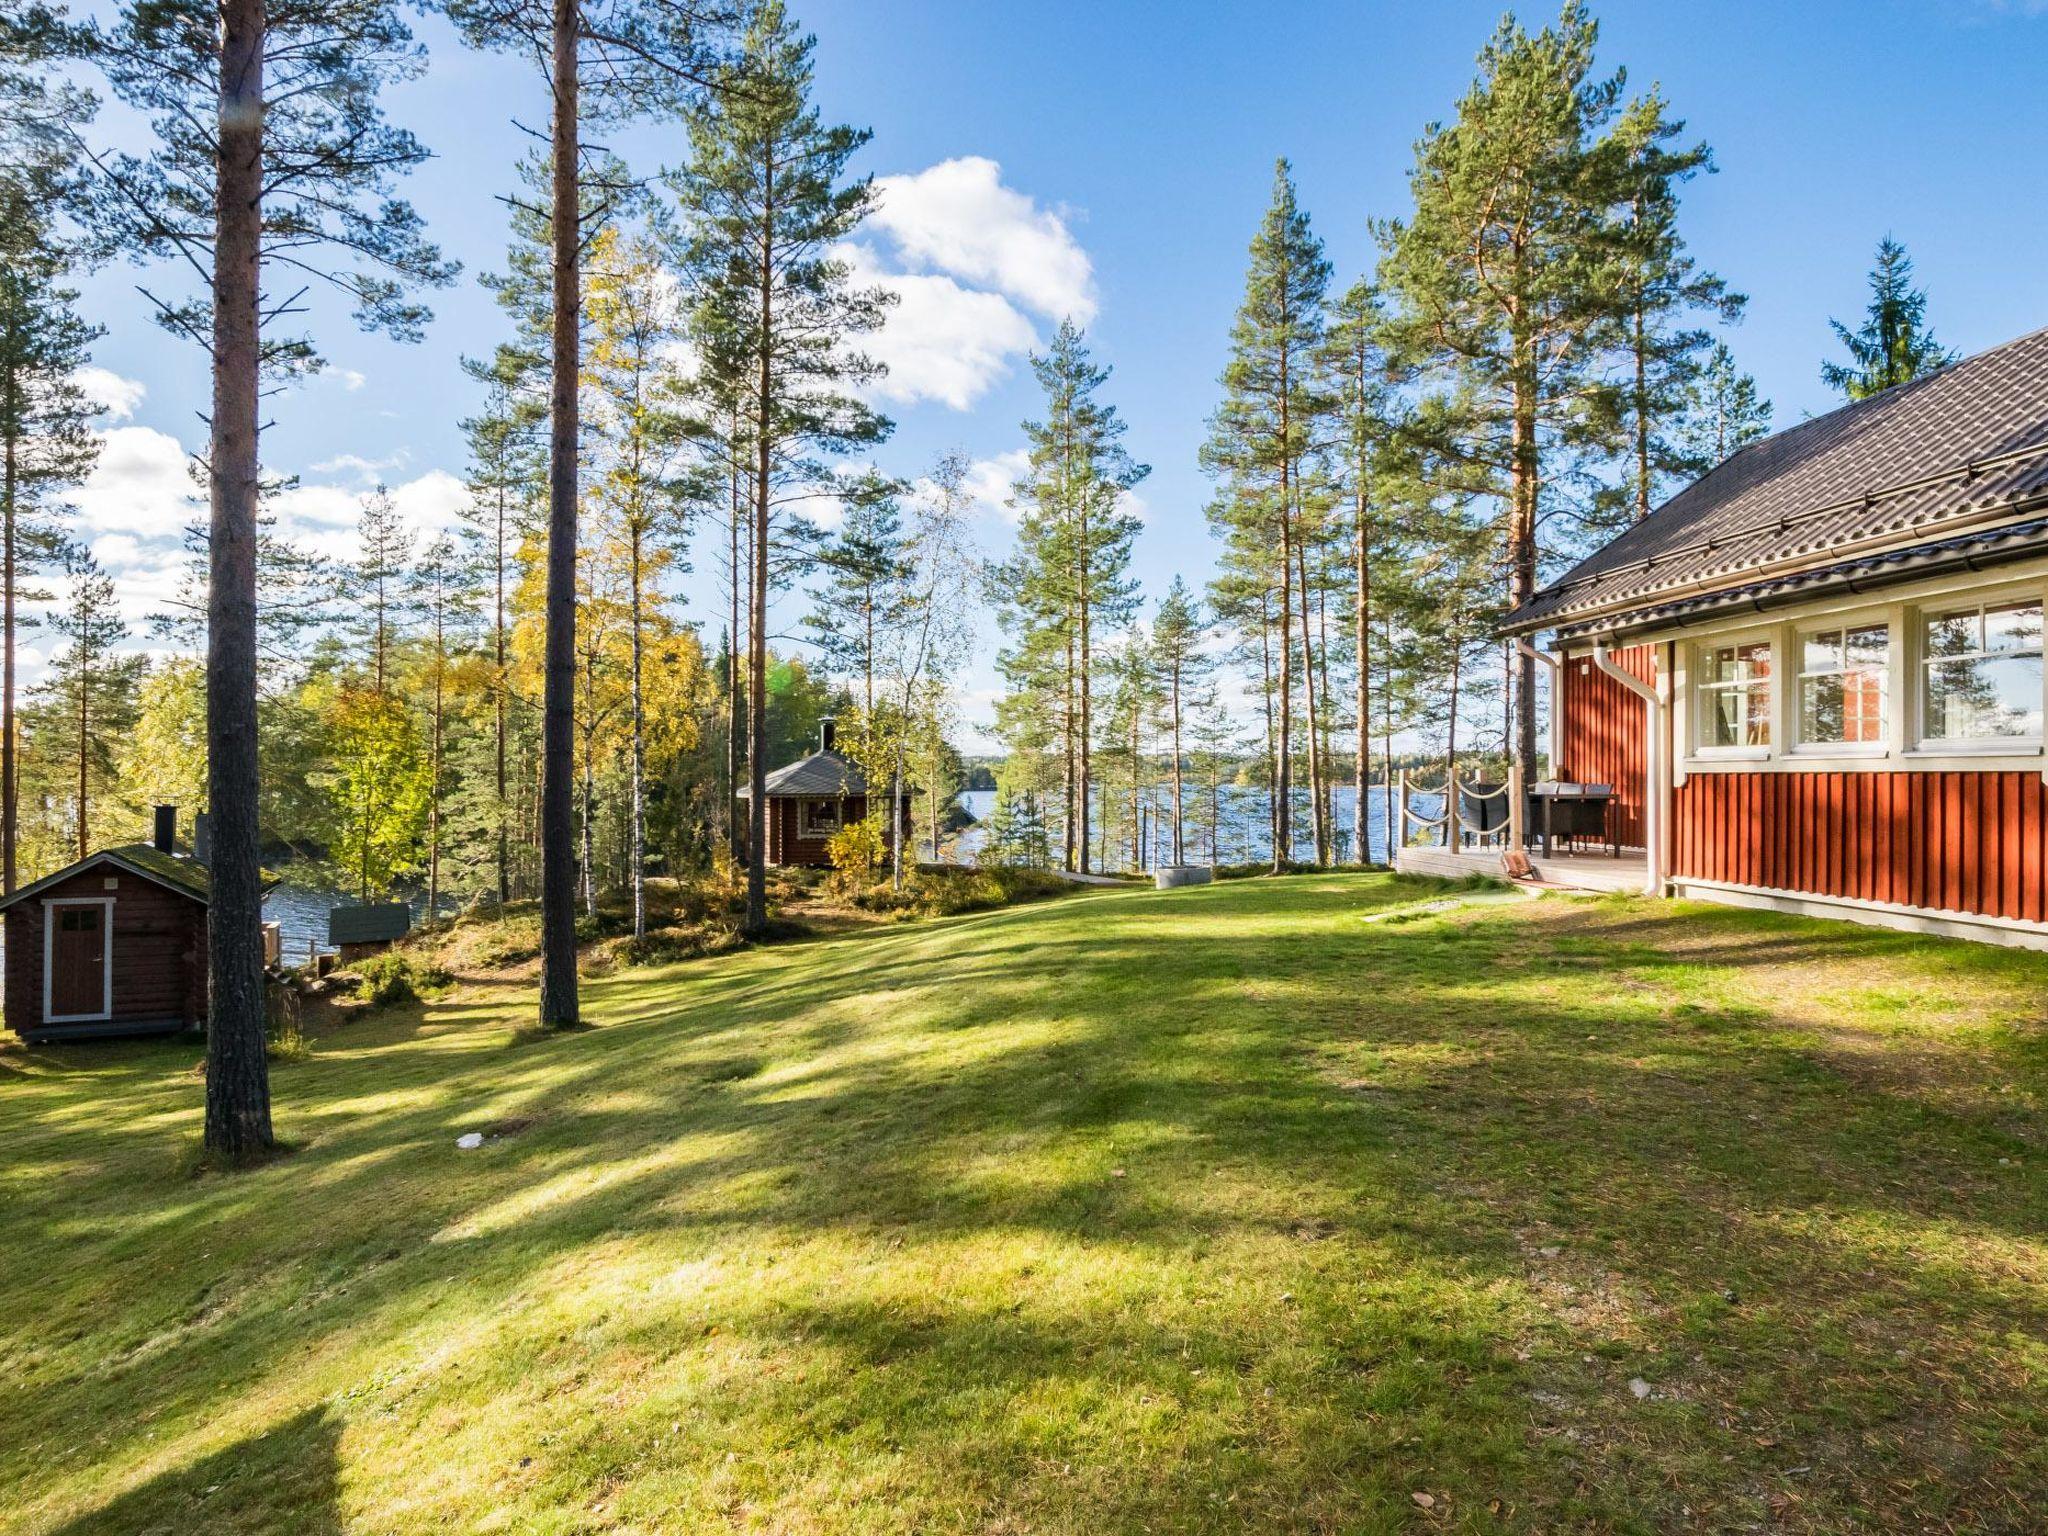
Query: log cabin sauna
(810, 800)
(114, 944)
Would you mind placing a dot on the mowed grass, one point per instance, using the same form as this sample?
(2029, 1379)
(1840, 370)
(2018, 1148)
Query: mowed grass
(1227, 1209)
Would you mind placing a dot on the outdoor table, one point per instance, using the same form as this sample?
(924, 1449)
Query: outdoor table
(1580, 800)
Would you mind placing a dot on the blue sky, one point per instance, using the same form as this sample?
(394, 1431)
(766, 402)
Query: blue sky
(1112, 159)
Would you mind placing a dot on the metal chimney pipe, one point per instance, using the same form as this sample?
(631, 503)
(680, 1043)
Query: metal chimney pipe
(165, 837)
(828, 733)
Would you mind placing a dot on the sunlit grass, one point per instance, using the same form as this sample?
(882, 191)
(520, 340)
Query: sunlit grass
(1224, 1209)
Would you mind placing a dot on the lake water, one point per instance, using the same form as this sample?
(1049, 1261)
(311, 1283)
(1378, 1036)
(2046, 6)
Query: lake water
(299, 905)
(1244, 837)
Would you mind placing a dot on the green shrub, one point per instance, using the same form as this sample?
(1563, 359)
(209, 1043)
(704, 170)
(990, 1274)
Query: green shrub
(396, 977)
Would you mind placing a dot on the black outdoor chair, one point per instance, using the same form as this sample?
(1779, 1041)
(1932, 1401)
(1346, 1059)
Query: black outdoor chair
(1482, 811)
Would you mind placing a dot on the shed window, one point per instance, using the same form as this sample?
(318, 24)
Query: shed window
(820, 818)
(1842, 685)
(1981, 673)
(1735, 695)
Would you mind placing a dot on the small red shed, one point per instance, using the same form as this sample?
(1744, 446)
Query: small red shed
(114, 944)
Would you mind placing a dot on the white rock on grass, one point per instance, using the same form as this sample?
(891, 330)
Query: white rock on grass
(470, 1142)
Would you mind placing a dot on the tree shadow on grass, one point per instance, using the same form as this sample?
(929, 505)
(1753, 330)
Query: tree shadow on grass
(286, 1480)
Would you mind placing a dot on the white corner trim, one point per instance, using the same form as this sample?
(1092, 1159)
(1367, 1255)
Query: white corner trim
(106, 903)
(1982, 928)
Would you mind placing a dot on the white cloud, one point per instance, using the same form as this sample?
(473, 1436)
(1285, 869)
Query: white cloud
(142, 485)
(116, 397)
(989, 482)
(356, 464)
(350, 379)
(958, 218)
(433, 503)
(941, 341)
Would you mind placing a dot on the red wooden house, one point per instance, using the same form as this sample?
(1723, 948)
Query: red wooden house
(1814, 677)
(811, 799)
(114, 944)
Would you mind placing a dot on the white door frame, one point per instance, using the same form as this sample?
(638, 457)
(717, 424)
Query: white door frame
(106, 957)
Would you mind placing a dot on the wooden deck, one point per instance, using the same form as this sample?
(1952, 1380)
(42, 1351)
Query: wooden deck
(1571, 871)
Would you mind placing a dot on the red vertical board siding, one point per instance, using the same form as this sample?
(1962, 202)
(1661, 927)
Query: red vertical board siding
(1602, 733)
(1957, 842)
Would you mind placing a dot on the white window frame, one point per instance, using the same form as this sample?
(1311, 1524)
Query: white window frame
(106, 957)
(1922, 615)
(1698, 671)
(808, 830)
(1795, 711)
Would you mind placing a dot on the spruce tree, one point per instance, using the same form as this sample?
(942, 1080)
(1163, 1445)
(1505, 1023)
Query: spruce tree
(1260, 439)
(272, 168)
(1893, 345)
(766, 202)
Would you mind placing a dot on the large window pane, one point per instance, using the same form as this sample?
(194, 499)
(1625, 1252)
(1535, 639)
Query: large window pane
(1735, 695)
(1842, 685)
(1989, 688)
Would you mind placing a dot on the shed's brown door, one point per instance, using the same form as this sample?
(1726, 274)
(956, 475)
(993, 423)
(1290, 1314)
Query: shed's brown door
(78, 975)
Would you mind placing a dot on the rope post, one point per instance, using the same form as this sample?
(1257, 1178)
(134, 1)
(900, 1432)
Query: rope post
(1517, 809)
(1401, 812)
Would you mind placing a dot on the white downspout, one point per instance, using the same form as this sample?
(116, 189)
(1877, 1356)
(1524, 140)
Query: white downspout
(1653, 766)
(1518, 798)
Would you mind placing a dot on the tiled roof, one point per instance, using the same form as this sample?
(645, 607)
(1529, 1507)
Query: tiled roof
(1967, 445)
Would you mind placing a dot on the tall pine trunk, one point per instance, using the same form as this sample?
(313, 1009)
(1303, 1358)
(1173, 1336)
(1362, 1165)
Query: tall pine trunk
(638, 838)
(503, 681)
(1523, 495)
(756, 921)
(1283, 840)
(1179, 851)
(1317, 818)
(237, 1070)
(434, 801)
(735, 687)
(10, 797)
(1361, 846)
(559, 1007)
(1083, 691)
(84, 737)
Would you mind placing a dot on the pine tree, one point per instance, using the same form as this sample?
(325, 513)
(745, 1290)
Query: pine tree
(380, 603)
(85, 709)
(439, 594)
(603, 59)
(268, 143)
(1723, 411)
(47, 443)
(1663, 293)
(637, 325)
(1068, 578)
(1259, 442)
(505, 478)
(1362, 385)
(1893, 345)
(866, 585)
(767, 202)
(1178, 636)
(1503, 285)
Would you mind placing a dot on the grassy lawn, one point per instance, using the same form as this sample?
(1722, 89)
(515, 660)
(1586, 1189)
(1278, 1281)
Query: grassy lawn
(1221, 1210)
